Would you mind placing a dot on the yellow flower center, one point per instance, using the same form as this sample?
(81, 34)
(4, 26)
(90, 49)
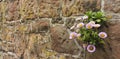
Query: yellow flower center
(73, 35)
(89, 26)
(91, 48)
(102, 35)
(80, 25)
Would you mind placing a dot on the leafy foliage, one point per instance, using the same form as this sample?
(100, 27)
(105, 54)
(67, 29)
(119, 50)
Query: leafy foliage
(89, 28)
(91, 35)
(98, 17)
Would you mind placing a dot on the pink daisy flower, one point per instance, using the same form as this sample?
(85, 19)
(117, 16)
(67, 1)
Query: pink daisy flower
(89, 26)
(73, 35)
(80, 25)
(92, 22)
(96, 25)
(102, 35)
(78, 35)
(91, 48)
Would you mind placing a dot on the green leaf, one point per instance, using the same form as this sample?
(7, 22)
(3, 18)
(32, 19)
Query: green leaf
(104, 19)
(89, 14)
(90, 42)
(98, 20)
(102, 42)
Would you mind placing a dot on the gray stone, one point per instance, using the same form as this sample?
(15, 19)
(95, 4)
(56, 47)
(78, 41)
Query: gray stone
(61, 42)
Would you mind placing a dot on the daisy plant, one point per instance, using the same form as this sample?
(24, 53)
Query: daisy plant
(87, 30)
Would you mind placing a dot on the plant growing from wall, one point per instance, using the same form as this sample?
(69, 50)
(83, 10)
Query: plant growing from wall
(88, 31)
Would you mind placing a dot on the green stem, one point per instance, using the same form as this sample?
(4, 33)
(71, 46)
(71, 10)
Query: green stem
(84, 54)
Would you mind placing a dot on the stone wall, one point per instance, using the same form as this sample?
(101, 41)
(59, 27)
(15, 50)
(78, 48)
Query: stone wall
(38, 29)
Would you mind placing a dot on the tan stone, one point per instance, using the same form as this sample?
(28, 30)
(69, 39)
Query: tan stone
(78, 7)
(114, 40)
(12, 11)
(112, 46)
(42, 25)
(112, 6)
(49, 8)
(61, 42)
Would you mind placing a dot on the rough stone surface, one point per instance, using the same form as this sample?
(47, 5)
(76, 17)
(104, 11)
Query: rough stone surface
(69, 22)
(112, 9)
(31, 9)
(40, 26)
(58, 20)
(101, 53)
(12, 13)
(78, 7)
(61, 42)
(37, 29)
(112, 6)
(18, 42)
(49, 8)
(112, 45)
(114, 40)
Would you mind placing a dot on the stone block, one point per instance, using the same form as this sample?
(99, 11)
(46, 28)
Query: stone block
(79, 7)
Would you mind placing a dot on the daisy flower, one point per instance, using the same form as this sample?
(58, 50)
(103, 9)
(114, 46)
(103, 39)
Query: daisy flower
(80, 25)
(92, 22)
(85, 17)
(96, 25)
(78, 35)
(91, 48)
(89, 26)
(102, 35)
(73, 35)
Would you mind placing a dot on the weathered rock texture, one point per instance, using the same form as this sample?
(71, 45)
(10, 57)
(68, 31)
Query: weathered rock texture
(38, 29)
